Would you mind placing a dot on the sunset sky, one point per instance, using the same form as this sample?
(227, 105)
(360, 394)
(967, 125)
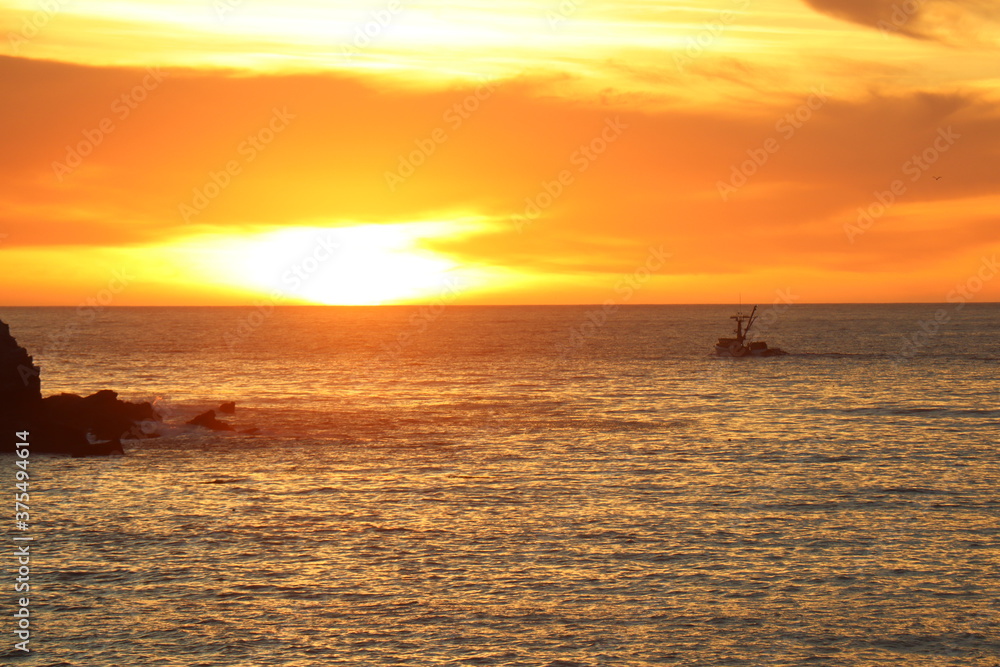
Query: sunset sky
(532, 151)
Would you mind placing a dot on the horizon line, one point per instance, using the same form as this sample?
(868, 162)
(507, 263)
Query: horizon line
(508, 305)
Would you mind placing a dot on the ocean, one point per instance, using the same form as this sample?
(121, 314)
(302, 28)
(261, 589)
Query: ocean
(544, 486)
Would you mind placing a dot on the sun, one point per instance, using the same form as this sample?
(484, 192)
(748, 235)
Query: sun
(349, 265)
(357, 265)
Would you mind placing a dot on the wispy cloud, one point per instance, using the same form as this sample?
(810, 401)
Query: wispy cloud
(952, 21)
(658, 183)
(690, 123)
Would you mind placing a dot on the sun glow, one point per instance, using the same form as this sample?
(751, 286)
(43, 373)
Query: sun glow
(432, 42)
(501, 202)
(358, 265)
(365, 265)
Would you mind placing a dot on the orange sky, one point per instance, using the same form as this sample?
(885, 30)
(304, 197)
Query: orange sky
(384, 151)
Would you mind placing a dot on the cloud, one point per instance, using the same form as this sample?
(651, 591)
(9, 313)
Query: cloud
(949, 21)
(655, 185)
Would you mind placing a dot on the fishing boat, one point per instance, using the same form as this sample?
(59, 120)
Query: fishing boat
(741, 346)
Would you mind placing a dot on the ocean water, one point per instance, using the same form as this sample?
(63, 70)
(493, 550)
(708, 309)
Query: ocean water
(550, 486)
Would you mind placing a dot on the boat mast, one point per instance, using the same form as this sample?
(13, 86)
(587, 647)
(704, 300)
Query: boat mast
(739, 317)
(742, 333)
(750, 322)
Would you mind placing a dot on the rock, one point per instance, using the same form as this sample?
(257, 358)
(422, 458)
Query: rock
(208, 420)
(66, 423)
(102, 414)
(20, 378)
(228, 408)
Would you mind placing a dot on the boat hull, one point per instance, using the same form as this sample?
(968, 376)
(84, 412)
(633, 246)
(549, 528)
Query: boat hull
(742, 345)
(739, 351)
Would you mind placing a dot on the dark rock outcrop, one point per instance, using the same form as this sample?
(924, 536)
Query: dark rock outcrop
(66, 423)
(208, 420)
(103, 415)
(20, 383)
(228, 408)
